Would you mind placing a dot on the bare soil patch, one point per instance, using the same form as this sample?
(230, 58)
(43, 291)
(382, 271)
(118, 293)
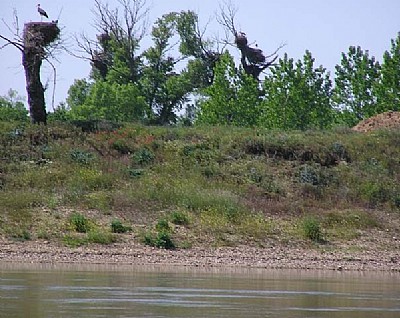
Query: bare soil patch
(389, 120)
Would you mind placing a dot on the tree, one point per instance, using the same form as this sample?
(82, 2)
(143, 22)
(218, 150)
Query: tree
(114, 53)
(356, 81)
(232, 99)
(12, 107)
(36, 44)
(106, 101)
(253, 60)
(297, 95)
(388, 90)
(164, 88)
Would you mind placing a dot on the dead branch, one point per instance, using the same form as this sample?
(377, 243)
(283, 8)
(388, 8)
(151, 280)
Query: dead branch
(253, 60)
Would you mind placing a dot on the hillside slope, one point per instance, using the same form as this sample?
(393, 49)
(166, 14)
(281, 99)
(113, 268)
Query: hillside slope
(196, 188)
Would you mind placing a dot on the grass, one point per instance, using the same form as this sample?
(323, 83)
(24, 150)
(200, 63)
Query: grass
(193, 186)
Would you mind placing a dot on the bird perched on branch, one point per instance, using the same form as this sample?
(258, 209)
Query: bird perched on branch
(41, 11)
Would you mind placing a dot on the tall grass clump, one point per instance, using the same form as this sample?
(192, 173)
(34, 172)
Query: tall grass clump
(311, 228)
(79, 223)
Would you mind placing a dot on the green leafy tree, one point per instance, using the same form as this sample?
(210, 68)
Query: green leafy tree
(165, 89)
(203, 55)
(78, 93)
(297, 95)
(232, 99)
(357, 78)
(388, 91)
(12, 107)
(111, 101)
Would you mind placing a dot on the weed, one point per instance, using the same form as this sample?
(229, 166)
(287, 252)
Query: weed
(121, 146)
(22, 235)
(82, 157)
(143, 156)
(311, 228)
(74, 241)
(100, 237)
(160, 240)
(163, 240)
(136, 173)
(79, 223)
(118, 227)
(179, 218)
(163, 226)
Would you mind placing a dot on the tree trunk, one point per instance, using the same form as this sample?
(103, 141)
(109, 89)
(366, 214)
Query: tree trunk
(32, 62)
(37, 36)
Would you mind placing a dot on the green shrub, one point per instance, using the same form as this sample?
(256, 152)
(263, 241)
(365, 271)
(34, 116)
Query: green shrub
(163, 240)
(311, 228)
(163, 226)
(121, 146)
(179, 218)
(100, 237)
(143, 156)
(136, 173)
(118, 227)
(79, 222)
(74, 241)
(22, 235)
(82, 157)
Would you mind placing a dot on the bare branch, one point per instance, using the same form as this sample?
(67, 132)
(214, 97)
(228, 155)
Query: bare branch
(226, 16)
(19, 46)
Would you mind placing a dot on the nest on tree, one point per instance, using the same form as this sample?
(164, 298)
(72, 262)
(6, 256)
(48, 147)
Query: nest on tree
(40, 33)
(241, 40)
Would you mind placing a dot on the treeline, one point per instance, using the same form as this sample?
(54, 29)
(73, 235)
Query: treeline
(183, 78)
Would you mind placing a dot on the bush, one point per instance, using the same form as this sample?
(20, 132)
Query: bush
(118, 227)
(143, 156)
(311, 228)
(99, 237)
(82, 157)
(163, 226)
(79, 222)
(179, 218)
(163, 240)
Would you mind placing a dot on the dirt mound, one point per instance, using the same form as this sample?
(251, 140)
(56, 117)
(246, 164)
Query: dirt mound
(389, 119)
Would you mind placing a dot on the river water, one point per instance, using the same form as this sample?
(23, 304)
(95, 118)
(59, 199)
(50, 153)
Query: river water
(102, 291)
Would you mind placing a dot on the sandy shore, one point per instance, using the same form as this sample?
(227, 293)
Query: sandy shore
(250, 257)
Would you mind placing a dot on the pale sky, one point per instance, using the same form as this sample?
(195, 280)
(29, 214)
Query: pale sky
(324, 27)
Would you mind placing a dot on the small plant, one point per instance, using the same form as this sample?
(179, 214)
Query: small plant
(163, 226)
(179, 218)
(312, 229)
(100, 237)
(74, 241)
(143, 156)
(136, 173)
(121, 146)
(163, 240)
(79, 222)
(23, 235)
(309, 175)
(118, 227)
(81, 157)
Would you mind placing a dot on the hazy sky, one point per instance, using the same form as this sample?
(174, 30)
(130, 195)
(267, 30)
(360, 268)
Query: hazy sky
(325, 27)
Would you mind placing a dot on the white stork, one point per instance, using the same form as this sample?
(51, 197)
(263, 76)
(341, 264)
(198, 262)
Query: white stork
(41, 11)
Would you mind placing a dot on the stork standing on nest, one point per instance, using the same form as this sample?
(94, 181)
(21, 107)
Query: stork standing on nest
(42, 12)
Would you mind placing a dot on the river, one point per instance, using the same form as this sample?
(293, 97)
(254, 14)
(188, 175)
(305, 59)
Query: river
(39, 291)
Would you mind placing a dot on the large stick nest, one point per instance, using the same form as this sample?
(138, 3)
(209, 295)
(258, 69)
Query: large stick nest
(40, 33)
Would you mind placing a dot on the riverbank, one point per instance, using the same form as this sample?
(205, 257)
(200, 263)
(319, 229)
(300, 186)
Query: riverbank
(242, 256)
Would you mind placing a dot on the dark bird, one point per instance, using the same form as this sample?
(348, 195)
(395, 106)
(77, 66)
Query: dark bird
(41, 11)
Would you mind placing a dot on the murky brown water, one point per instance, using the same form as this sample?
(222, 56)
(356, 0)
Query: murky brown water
(98, 291)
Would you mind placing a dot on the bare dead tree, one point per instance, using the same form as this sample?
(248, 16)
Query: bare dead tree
(37, 42)
(253, 60)
(126, 26)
